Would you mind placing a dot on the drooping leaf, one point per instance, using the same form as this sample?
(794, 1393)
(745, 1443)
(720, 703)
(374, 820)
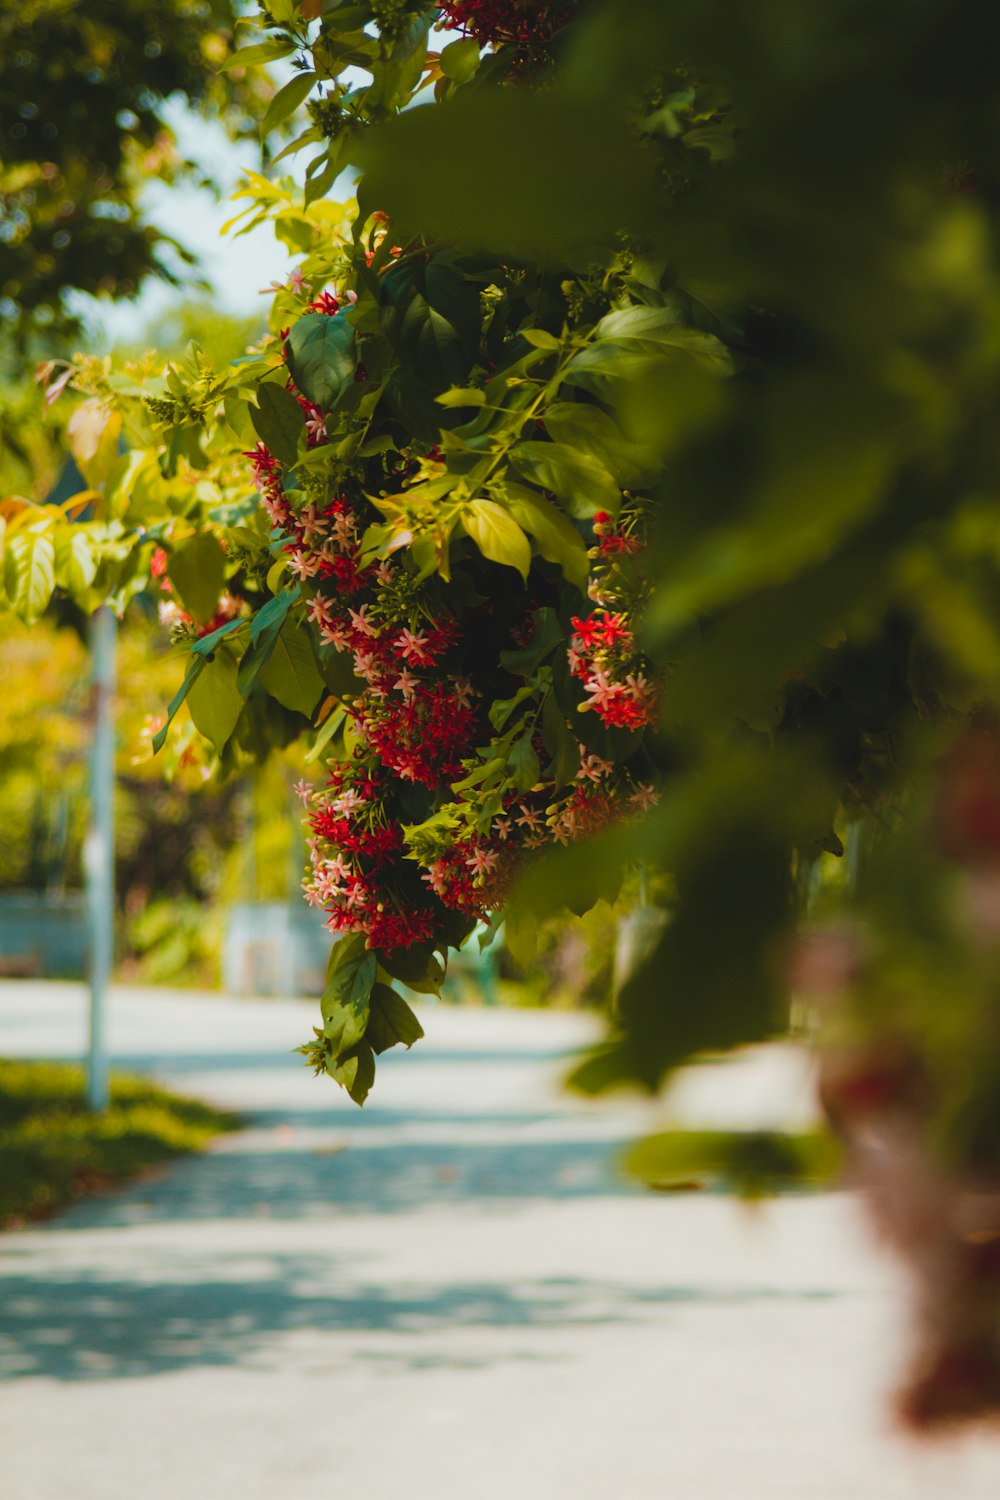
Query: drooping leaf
(586, 428)
(350, 975)
(214, 700)
(523, 764)
(391, 1021)
(264, 630)
(355, 1071)
(418, 967)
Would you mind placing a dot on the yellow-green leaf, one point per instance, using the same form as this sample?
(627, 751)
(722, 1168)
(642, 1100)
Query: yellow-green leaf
(497, 535)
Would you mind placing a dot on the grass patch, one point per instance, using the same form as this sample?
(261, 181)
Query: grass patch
(52, 1149)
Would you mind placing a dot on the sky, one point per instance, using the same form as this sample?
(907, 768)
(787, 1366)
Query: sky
(237, 268)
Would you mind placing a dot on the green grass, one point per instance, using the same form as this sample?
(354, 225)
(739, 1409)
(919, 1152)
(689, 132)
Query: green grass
(52, 1149)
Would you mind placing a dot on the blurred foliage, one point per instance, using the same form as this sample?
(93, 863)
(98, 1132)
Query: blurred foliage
(54, 1149)
(82, 84)
(184, 849)
(753, 1164)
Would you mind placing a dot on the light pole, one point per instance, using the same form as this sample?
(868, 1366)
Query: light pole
(99, 852)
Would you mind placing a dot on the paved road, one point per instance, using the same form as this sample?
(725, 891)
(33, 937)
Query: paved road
(450, 1296)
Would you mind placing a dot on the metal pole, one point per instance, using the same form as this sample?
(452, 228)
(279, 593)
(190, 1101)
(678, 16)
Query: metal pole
(99, 853)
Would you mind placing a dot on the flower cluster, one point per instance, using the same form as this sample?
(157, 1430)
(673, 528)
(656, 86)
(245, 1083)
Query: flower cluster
(417, 732)
(525, 24)
(355, 850)
(602, 655)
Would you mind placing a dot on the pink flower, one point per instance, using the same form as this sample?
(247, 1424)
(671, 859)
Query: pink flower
(335, 634)
(316, 426)
(361, 622)
(592, 767)
(319, 610)
(601, 693)
(301, 564)
(407, 684)
(412, 647)
(462, 691)
(481, 861)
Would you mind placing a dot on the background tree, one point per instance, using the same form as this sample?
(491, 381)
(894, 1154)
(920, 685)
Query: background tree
(82, 89)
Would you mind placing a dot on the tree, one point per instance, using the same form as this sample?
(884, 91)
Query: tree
(634, 440)
(81, 93)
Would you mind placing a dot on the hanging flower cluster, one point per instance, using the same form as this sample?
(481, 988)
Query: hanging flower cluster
(602, 652)
(388, 863)
(496, 23)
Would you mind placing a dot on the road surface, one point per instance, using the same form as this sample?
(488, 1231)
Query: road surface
(452, 1295)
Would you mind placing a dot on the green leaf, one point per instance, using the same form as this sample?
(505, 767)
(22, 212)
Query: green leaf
(333, 722)
(214, 700)
(279, 421)
(461, 395)
(579, 479)
(261, 52)
(658, 328)
(207, 643)
(355, 1071)
(290, 673)
(431, 318)
(418, 967)
(540, 338)
(29, 574)
(497, 535)
(286, 101)
(460, 59)
(587, 429)
(350, 975)
(264, 630)
(197, 571)
(558, 741)
(502, 708)
(194, 671)
(391, 1021)
(558, 539)
(522, 763)
(75, 564)
(321, 356)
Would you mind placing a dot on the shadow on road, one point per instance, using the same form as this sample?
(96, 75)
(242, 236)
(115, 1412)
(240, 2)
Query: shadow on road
(89, 1326)
(286, 1181)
